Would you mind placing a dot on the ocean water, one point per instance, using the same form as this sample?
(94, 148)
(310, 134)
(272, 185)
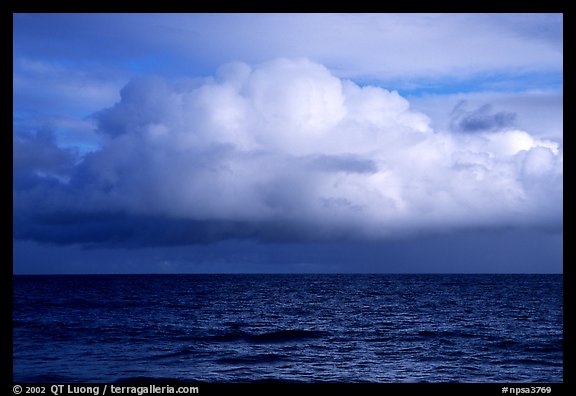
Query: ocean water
(300, 328)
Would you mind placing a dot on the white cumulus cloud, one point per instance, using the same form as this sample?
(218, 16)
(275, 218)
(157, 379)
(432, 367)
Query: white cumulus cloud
(288, 145)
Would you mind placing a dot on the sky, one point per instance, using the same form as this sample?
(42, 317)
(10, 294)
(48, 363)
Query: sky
(239, 143)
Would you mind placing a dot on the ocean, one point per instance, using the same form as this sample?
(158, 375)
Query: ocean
(381, 328)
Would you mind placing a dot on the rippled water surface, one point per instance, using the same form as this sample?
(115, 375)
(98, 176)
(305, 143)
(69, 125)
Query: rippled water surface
(303, 328)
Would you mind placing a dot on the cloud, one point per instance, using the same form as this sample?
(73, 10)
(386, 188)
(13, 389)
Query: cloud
(482, 119)
(284, 151)
(38, 152)
(384, 45)
(53, 87)
(540, 112)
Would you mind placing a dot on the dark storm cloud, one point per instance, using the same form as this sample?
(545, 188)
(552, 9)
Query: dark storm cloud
(507, 251)
(482, 119)
(120, 230)
(127, 231)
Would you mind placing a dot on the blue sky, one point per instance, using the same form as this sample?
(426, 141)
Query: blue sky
(287, 143)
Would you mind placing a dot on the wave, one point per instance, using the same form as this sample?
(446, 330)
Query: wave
(170, 355)
(253, 359)
(49, 378)
(226, 329)
(286, 336)
(280, 336)
(142, 380)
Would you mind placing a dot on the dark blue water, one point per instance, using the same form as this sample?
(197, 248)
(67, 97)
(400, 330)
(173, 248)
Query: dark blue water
(304, 328)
